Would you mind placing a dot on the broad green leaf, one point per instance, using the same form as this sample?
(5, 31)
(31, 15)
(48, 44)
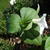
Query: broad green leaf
(14, 23)
(29, 26)
(27, 14)
(37, 41)
(29, 36)
(4, 4)
(47, 44)
(37, 28)
(28, 41)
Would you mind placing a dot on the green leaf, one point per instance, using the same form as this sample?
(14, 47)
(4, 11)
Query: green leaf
(37, 28)
(29, 26)
(37, 41)
(47, 44)
(29, 36)
(14, 23)
(27, 14)
(45, 37)
(4, 4)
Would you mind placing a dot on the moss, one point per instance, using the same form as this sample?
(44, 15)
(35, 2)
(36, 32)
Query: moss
(23, 3)
(5, 45)
(2, 24)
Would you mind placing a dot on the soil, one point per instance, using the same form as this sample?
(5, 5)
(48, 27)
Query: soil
(24, 46)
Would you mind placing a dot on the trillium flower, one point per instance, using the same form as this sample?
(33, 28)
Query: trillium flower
(12, 2)
(41, 23)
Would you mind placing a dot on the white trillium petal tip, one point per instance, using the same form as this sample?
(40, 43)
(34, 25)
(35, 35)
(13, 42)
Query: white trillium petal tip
(44, 14)
(43, 23)
(44, 18)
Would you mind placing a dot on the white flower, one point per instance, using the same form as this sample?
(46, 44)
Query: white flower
(41, 22)
(12, 2)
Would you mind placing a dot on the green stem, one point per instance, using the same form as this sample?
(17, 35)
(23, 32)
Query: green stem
(22, 33)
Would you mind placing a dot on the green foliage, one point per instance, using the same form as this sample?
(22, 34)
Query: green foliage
(5, 45)
(27, 14)
(37, 41)
(13, 25)
(2, 24)
(4, 4)
(45, 37)
(47, 44)
(23, 3)
(29, 26)
(31, 36)
(29, 30)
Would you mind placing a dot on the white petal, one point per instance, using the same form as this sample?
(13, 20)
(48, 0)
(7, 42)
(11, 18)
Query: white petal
(43, 21)
(12, 2)
(41, 28)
